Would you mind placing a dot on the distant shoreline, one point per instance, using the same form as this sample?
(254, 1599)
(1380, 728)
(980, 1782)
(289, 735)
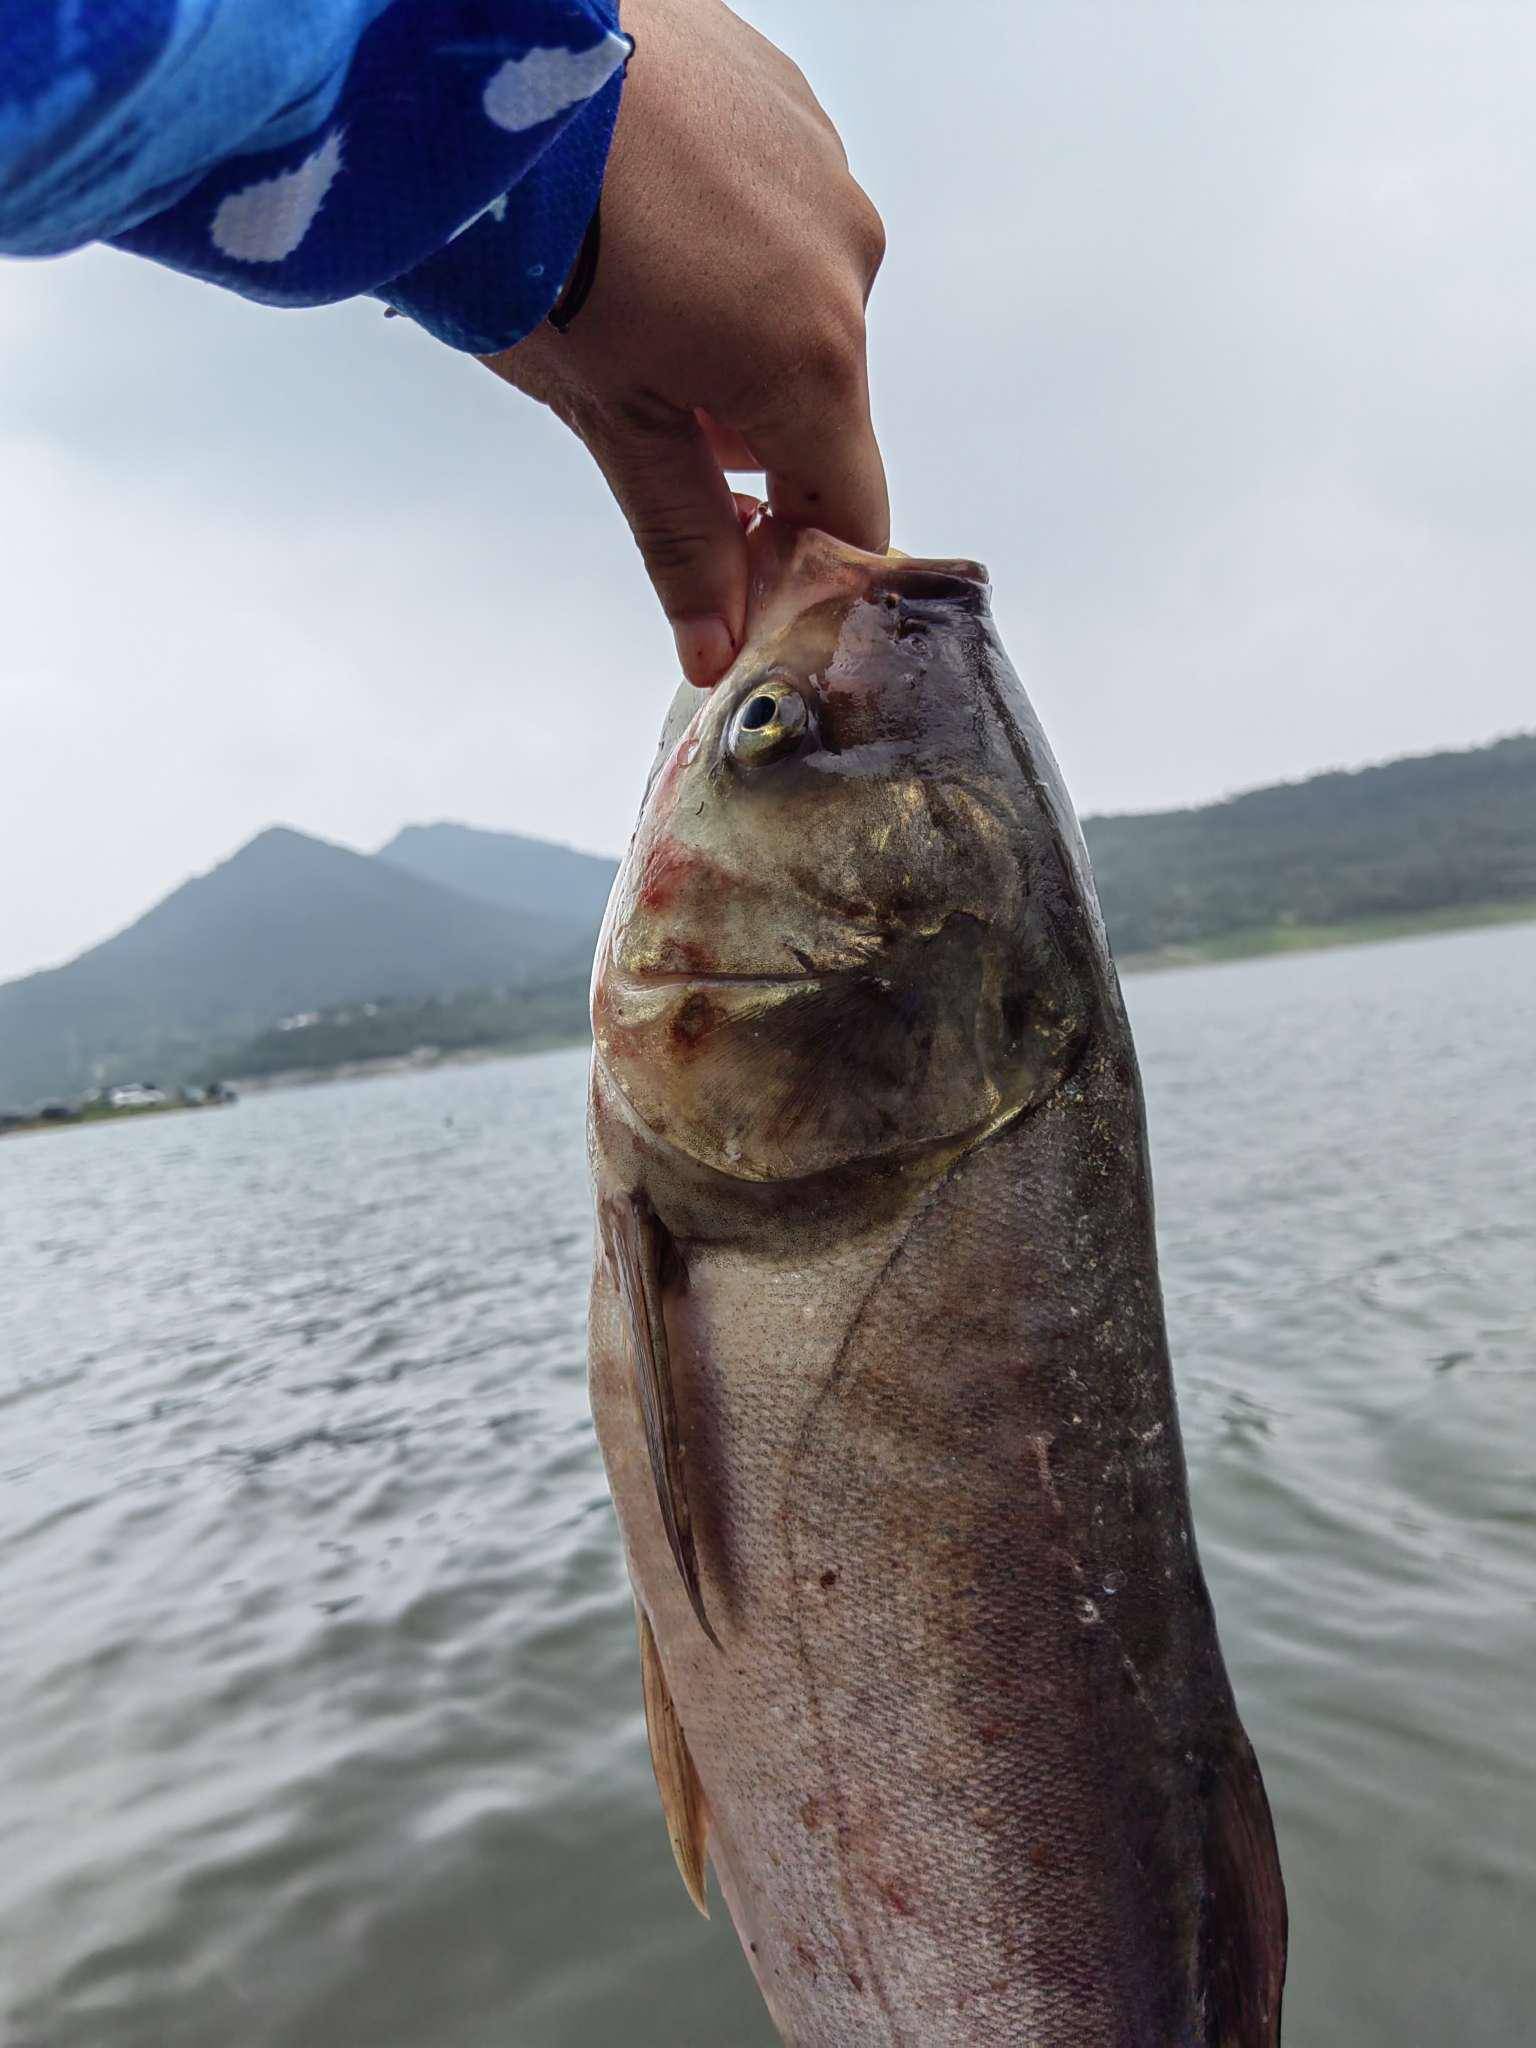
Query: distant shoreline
(1261, 942)
(394, 1064)
(102, 1113)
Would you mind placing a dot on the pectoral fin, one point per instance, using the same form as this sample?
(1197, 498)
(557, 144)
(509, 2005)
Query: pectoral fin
(1244, 1933)
(682, 1796)
(635, 1242)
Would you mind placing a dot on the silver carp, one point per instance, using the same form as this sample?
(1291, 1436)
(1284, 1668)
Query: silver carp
(879, 1367)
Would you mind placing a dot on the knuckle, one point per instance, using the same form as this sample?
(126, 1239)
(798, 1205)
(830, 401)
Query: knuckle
(832, 358)
(670, 547)
(650, 417)
(868, 238)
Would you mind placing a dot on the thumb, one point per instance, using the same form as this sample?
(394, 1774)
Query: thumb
(670, 488)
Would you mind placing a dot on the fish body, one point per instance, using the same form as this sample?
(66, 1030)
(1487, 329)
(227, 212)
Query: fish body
(879, 1369)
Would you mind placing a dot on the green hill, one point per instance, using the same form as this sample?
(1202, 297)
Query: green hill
(288, 924)
(522, 1020)
(506, 868)
(1435, 837)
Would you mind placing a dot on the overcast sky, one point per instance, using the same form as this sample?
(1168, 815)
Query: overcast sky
(1211, 328)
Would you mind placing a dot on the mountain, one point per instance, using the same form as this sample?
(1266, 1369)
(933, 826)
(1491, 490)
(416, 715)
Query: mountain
(289, 923)
(1434, 832)
(505, 868)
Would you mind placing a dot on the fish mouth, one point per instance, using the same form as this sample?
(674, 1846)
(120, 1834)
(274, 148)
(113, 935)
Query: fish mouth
(871, 956)
(694, 977)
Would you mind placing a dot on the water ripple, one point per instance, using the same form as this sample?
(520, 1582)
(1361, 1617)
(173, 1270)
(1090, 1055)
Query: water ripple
(320, 1708)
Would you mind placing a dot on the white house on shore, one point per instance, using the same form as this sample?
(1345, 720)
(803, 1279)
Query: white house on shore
(136, 1095)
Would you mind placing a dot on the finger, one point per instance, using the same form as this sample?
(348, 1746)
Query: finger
(819, 450)
(729, 448)
(685, 522)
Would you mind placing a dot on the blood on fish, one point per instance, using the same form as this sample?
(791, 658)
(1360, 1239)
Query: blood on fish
(669, 866)
(692, 1022)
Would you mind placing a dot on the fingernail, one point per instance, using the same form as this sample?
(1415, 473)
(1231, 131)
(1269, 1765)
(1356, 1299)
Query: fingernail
(705, 649)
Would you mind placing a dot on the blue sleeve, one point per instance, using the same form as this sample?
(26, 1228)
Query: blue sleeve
(443, 155)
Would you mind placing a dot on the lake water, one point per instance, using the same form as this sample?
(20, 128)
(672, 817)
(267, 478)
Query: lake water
(319, 1711)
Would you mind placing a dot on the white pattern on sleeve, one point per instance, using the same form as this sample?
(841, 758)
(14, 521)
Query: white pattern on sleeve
(266, 222)
(527, 90)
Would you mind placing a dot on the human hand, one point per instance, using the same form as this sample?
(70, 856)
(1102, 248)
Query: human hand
(725, 329)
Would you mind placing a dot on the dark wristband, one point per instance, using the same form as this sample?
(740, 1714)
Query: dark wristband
(578, 286)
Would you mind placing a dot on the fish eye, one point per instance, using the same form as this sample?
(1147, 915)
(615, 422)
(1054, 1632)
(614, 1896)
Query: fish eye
(770, 722)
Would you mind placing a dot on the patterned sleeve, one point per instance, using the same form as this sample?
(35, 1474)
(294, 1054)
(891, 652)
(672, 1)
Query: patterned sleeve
(443, 155)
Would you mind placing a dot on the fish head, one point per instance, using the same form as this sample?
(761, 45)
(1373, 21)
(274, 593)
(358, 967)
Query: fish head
(855, 922)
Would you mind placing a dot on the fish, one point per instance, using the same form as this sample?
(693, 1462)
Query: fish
(878, 1362)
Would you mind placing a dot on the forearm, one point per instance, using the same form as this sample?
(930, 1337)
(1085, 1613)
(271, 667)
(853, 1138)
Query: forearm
(302, 151)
